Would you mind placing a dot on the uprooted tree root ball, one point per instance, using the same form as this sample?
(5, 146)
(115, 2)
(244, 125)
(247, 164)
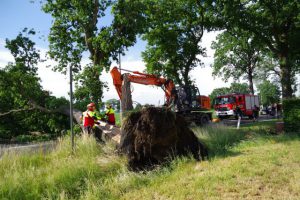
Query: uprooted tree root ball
(154, 135)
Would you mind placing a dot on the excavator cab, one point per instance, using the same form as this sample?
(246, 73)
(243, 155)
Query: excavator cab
(188, 98)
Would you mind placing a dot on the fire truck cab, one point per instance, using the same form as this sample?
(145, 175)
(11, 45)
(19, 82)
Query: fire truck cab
(225, 105)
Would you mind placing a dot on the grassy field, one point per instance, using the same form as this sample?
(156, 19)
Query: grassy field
(244, 164)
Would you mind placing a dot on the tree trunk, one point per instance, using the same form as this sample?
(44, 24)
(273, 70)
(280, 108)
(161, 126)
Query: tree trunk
(126, 95)
(250, 79)
(186, 78)
(286, 77)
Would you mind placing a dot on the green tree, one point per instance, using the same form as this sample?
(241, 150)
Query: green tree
(25, 106)
(236, 55)
(173, 30)
(269, 93)
(241, 88)
(173, 38)
(24, 52)
(78, 28)
(89, 88)
(274, 23)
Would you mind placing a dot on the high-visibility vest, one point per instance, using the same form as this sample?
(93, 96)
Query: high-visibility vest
(89, 118)
(110, 113)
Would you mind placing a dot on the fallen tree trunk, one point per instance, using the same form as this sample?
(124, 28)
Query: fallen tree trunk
(65, 110)
(109, 132)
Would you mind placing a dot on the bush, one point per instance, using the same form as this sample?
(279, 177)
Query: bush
(291, 118)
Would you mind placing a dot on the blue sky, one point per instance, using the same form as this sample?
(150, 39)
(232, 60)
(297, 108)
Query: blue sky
(17, 14)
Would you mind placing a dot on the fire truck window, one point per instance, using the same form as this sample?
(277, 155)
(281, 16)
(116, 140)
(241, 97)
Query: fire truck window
(240, 99)
(232, 99)
(225, 100)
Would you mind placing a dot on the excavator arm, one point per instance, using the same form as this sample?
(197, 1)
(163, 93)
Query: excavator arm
(142, 78)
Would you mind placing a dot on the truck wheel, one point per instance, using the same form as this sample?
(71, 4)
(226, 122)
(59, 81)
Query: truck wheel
(220, 117)
(204, 119)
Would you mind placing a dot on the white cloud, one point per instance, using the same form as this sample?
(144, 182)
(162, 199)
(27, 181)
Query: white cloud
(5, 57)
(54, 82)
(2, 42)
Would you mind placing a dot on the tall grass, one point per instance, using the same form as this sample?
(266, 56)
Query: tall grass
(219, 138)
(59, 174)
(94, 171)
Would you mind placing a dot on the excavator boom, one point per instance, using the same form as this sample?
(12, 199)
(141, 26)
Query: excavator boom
(141, 78)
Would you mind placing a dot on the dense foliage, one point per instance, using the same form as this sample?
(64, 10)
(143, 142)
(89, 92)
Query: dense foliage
(269, 93)
(275, 24)
(237, 55)
(291, 116)
(25, 106)
(173, 31)
(78, 28)
(174, 38)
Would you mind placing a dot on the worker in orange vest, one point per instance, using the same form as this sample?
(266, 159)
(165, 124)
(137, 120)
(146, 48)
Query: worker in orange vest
(110, 113)
(90, 118)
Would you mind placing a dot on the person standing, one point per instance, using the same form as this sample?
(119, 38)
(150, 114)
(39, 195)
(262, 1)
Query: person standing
(110, 113)
(90, 119)
(255, 113)
(238, 112)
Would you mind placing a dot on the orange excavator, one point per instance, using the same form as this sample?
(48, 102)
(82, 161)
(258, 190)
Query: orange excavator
(189, 103)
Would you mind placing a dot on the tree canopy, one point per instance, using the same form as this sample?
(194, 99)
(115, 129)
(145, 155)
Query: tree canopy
(274, 23)
(269, 93)
(25, 106)
(173, 38)
(78, 28)
(237, 55)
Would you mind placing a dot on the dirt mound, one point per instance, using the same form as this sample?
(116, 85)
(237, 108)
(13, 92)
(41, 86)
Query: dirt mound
(154, 135)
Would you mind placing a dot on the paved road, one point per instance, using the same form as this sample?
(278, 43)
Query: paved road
(27, 148)
(233, 122)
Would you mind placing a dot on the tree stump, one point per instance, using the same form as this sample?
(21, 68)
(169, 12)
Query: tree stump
(126, 96)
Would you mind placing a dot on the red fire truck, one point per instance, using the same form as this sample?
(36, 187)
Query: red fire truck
(225, 105)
